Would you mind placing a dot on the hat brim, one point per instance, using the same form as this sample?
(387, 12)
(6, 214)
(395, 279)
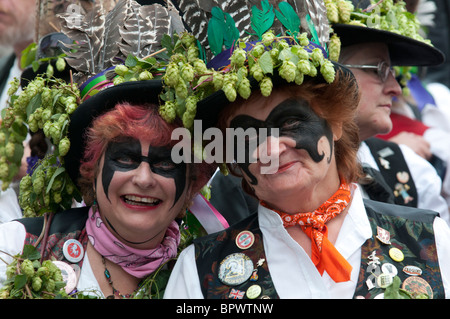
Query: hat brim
(209, 108)
(404, 51)
(135, 92)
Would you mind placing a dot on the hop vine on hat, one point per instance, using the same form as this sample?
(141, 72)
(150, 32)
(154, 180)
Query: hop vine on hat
(258, 40)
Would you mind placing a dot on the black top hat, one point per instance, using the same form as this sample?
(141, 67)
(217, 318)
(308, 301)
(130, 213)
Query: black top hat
(404, 51)
(134, 92)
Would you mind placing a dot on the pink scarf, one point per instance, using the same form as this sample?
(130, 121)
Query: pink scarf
(137, 262)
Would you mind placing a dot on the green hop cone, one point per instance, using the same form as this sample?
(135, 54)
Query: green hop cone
(43, 272)
(187, 72)
(244, 89)
(334, 47)
(36, 283)
(345, 8)
(258, 50)
(25, 183)
(328, 72)
(10, 149)
(257, 72)
(27, 268)
(145, 75)
(188, 119)
(121, 69)
(171, 76)
(332, 11)
(304, 66)
(60, 64)
(199, 66)
(230, 91)
(192, 53)
(49, 285)
(50, 71)
(266, 86)
(268, 37)
(238, 58)
(181, 90)
(14, 86)
(64, 146)
(287, 71)
(118, 80)
(303, 39)
(167, 111)
(217, 80)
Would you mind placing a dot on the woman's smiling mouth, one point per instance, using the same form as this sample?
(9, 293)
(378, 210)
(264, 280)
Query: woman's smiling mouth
(136, 200)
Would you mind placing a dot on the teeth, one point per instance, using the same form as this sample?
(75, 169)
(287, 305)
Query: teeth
(140, 200)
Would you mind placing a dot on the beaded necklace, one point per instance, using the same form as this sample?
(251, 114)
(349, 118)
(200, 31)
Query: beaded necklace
(115, 291)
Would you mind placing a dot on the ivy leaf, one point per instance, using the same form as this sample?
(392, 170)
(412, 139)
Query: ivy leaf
(30, 252)
(20, 281)
(263, 19)
(58, 171)
(265, 62)
(288, 17)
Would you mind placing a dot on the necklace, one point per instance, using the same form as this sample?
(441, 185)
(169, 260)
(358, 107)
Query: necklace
(115, 291)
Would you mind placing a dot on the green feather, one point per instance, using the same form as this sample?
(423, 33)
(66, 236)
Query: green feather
(315, 37)
(288, 17)
(221, 30)
(231, 32)
(263, 19)
(216, 29)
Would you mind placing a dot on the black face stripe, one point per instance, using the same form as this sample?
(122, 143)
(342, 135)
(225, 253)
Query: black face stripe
(127, 155)
(295, 119)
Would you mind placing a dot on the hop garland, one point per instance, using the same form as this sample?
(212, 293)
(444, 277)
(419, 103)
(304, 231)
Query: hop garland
(28, 278)
(187, 79)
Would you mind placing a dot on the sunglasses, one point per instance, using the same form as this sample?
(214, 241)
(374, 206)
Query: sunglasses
(383, 69)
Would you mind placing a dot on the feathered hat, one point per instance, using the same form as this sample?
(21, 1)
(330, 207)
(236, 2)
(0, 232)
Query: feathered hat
(111, 58)
(386, 21)
(251, 44)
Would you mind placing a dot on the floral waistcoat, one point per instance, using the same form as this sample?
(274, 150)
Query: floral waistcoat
(411, 230)
(65, 225)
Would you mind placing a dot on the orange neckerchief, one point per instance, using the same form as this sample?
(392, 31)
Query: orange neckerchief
(324, 255)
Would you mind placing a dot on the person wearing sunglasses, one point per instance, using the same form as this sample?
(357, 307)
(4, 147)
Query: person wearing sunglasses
(371, 54)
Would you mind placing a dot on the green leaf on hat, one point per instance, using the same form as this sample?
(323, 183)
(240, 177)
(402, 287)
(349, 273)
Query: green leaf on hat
(263, 19)
(288, 17)
(221, 30)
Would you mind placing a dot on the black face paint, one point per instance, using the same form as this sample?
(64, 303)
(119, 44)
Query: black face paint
(127, 155)
(295, 119)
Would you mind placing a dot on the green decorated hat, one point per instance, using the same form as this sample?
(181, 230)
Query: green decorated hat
(252, 45)
(386, 21)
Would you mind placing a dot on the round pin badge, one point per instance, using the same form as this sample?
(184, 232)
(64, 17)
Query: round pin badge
(412, 270)
(384, 280)
(235, 269)
(68, 274)
(245, 239)
(396, 254)
(253, 292)
(389, 269)
(417, 285)
(73, 250)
